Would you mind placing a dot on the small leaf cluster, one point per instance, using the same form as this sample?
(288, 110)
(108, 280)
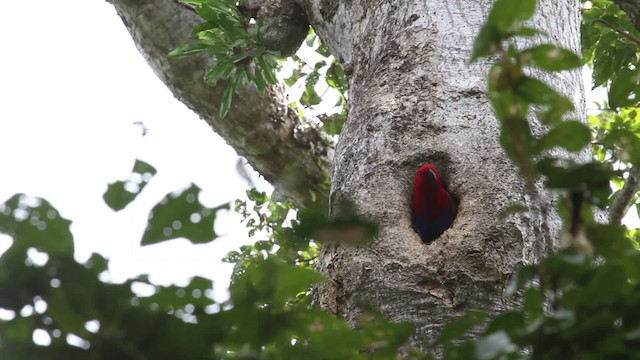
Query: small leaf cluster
(326, 72)
(610, 46)
(616, 142)
(269, 325)
(292, 235)
(232, 36)
(272, 221)
(180, 214)
(120, 193)
(615, 136)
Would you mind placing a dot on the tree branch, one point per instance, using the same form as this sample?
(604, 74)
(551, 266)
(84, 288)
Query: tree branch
(632, 8)
(621, 32)
(289, 151)
(625, 197)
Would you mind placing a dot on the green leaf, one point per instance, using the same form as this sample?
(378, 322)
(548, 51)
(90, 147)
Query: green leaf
(196, 2)
(203, 27)
(34, 222)
(534, 303)
(609, 240)
(625, 89)
(518, 142)
(269, 68)
(607, 283)
(228, 69)
(210, 12)
(97, 263)
(535, 91)
(336, 77)
(213, 74)
(511, 321)
(171, 298)
(295, 76)
(121, 193)
(188, 50)
(527, 31)
(346, 227)
(486, 43)
(227, 96)
(259, 80)
(551, 57)
(595, 176)
(570, 135)
(332, 124)
(271, 281)
(323, 50)
(59, 307)
(505, 14)
(310, 97)
(291, 280)
(181, 215)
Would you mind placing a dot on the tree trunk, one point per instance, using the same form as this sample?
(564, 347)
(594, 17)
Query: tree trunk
(413, 99)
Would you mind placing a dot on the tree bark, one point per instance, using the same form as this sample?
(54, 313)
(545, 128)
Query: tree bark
(289, 151)
(415, 100)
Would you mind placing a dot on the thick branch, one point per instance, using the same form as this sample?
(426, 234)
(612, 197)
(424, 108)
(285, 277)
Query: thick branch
(287, 150)
(625, 197)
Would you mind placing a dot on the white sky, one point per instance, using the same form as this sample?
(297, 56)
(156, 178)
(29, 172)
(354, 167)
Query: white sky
(71, 85)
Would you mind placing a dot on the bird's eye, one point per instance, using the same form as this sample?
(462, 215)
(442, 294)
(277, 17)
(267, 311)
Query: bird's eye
(433, 178)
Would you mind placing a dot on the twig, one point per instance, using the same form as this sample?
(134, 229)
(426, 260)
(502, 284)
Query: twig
(625, 197)
(621, 32)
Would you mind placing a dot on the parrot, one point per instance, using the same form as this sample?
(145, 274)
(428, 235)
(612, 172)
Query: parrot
(433, 208)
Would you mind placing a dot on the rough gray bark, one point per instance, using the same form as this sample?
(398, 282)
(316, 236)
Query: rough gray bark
(288, 151)
(414, 100)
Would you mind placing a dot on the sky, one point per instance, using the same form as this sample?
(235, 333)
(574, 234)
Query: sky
(72, 87)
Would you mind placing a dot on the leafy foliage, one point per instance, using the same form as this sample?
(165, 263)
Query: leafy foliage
(120, 193)
(181, 214)
(324, 73)
(233, 38)
(271, 219)
(45, 290)
(610, 46)
(84, 317)
(232, 35)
